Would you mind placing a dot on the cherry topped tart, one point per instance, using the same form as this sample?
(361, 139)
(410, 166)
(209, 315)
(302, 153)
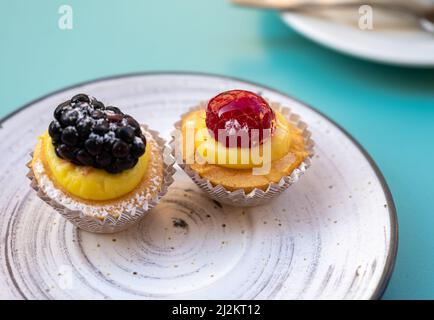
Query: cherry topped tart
(87, 133)
(274, 146)
(239, 112)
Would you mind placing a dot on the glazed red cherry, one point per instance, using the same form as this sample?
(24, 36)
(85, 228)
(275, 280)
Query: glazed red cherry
(237, 112)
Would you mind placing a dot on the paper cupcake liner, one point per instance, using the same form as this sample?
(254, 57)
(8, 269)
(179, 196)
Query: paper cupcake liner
(257, 196)
(109, 223)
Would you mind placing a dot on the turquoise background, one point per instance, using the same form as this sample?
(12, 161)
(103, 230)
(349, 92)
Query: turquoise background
(390, 110)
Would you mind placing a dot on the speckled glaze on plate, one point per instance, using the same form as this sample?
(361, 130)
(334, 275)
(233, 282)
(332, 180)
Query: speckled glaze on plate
(333, 235)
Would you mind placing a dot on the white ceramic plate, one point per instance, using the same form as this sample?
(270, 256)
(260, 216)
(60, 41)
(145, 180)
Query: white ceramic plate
(404, 44)
(333, 235)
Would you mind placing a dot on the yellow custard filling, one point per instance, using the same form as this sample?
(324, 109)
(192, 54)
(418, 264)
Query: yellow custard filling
(88, 183)
(236, 158)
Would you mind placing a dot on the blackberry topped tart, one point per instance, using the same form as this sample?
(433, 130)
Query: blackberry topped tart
(241, 149)
(99, 167)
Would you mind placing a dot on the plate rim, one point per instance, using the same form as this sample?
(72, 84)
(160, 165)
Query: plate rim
(393, 248)
(297, 22)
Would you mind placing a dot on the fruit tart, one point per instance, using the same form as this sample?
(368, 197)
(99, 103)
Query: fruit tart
(241, 149)
(99, 167)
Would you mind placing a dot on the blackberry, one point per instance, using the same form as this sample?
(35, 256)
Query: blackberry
(85, 158)
(55, 130)
(93, 144)
(69, 136)
(87, 133)
(81, 97)
(126, 133)
(121, 149)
